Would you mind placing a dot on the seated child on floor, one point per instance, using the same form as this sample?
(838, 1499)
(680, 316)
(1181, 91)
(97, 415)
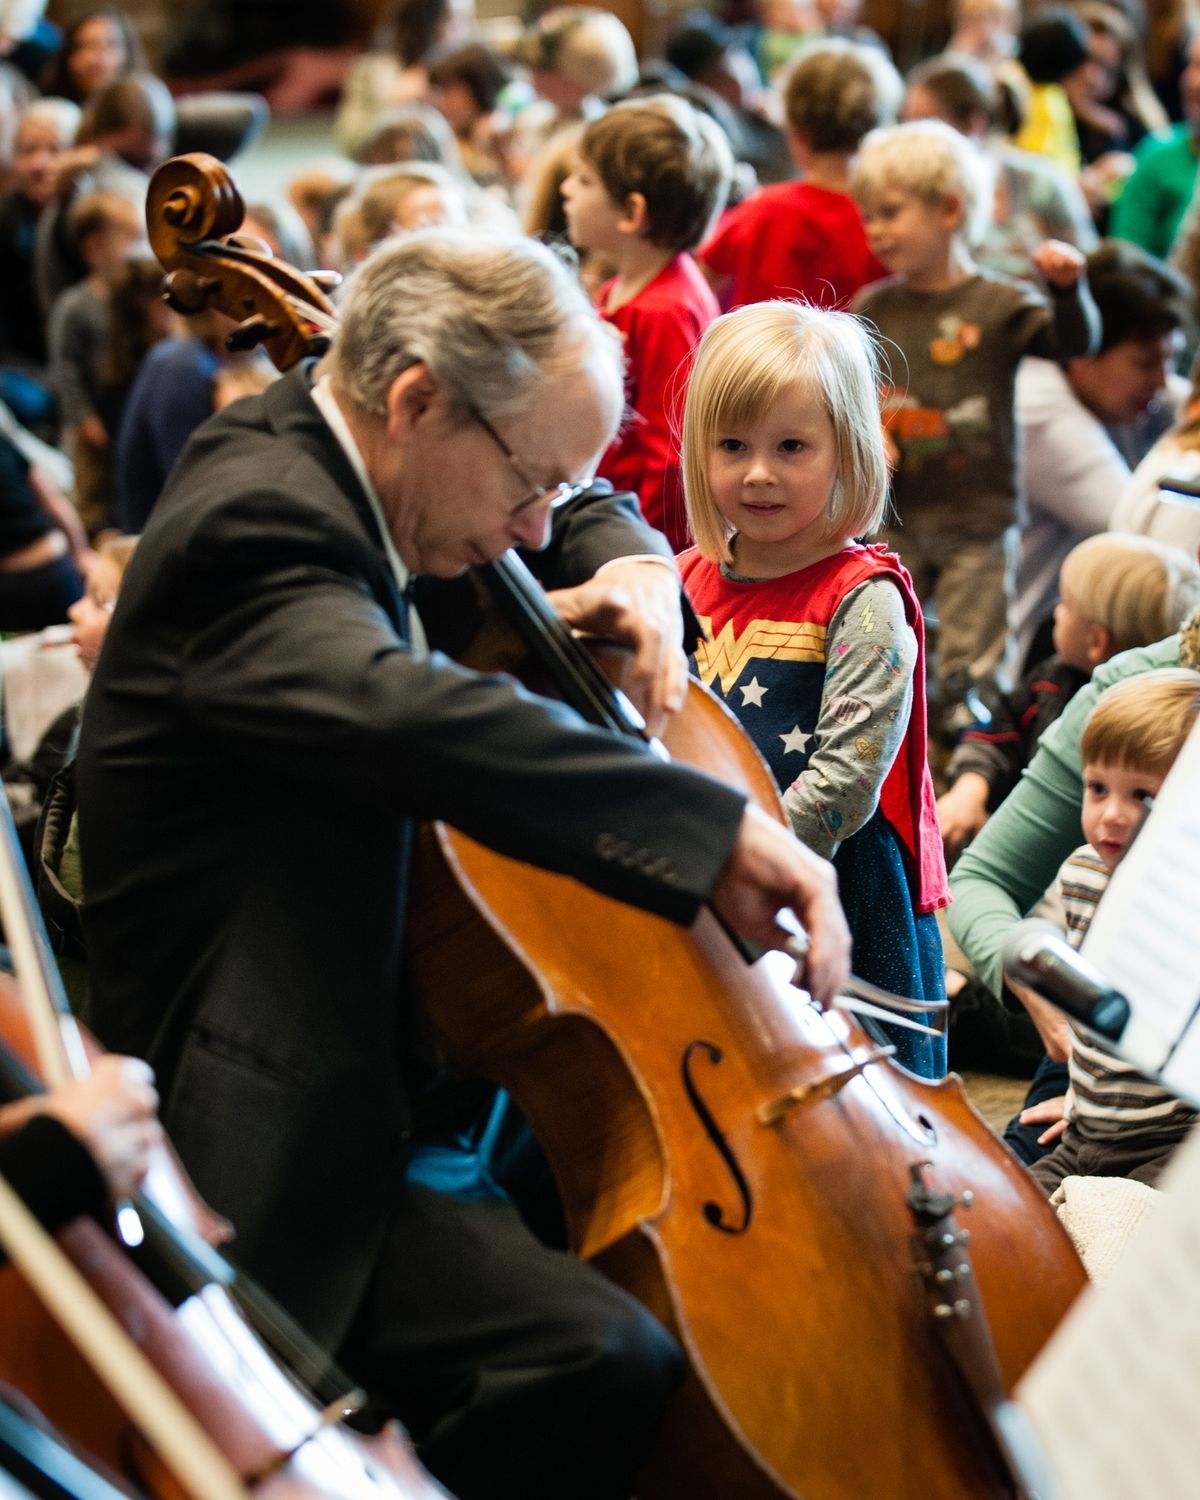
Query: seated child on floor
(1112, 1121)
(1116, 591)
(815, 641)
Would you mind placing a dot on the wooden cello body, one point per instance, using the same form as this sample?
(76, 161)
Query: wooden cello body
(741, 1161)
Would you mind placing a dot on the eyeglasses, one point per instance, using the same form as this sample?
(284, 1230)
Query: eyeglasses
(555, 494)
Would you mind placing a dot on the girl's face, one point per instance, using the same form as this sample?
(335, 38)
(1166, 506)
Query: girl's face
(97, 54)
(772, 479)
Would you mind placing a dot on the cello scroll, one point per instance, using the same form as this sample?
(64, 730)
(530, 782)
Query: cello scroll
(191, 210)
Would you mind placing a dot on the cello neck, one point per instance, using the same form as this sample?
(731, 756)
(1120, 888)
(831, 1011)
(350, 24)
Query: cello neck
(573, 670)
(60, 1049)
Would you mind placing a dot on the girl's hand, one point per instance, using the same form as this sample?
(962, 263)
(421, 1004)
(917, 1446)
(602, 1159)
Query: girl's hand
(1048, 1111)
(1060, 264)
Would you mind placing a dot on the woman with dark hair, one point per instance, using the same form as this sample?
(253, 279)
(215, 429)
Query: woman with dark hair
(1113, 104)
(97, 49)
(465, 84)
(1156, 196)
(1053, 46)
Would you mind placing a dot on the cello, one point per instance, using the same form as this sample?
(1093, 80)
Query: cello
(134, 1344)
(855, 1266)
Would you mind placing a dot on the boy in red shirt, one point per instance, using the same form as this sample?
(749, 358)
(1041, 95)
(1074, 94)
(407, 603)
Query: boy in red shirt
(650, 177)
(806, 239)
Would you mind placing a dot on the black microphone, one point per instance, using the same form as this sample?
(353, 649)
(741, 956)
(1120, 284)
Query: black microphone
(1036, 954)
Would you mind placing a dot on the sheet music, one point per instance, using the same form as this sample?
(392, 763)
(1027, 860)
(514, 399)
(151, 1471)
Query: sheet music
(1146, 932)
(1115, 1395)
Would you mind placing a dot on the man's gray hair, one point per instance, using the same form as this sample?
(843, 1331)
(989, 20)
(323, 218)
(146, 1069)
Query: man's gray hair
(499, 320)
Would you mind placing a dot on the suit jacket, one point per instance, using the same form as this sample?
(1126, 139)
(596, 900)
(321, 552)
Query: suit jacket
(256, 739)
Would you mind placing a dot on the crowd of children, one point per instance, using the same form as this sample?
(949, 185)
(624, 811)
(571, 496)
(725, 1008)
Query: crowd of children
(872, 370)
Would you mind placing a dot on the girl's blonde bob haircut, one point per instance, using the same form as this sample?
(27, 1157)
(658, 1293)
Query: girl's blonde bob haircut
(746, 361)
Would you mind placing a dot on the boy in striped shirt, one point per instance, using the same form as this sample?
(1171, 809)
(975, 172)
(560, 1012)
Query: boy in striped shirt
(1112, 1122)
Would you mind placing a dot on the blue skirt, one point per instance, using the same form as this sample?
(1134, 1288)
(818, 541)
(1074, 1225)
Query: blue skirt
(894, 947)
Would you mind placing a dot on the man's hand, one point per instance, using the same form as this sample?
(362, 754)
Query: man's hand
(637, 604)
(1059, 263)
(769, 869)
(114, 1113)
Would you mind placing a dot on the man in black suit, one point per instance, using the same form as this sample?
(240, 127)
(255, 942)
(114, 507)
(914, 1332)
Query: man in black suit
(264, 721)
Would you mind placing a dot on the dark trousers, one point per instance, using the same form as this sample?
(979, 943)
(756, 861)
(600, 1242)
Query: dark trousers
(37, 597)
(1139, 1155)
(1051, 1078)
(521, 1373)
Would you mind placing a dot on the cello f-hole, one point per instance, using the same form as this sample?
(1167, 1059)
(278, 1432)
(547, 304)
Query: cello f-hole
(713, 1212)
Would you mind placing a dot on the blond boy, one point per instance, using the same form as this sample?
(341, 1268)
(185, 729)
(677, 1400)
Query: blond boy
(1117, 591)
(955, 335)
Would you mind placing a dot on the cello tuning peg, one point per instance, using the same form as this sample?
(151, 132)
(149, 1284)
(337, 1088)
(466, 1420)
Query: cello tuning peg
(328, 281)
(185, 292)
(250, 334)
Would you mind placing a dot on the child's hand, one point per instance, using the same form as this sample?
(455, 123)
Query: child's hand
(114, 1113)
(92, 431)
(1052, 1024)
(962, 811)
(1051, 1112)
(1059, 263)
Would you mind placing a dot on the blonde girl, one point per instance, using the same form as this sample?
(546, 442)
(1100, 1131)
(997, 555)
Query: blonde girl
(815, 640)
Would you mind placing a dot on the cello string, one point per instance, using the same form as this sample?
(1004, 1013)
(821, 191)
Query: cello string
(198, 1465)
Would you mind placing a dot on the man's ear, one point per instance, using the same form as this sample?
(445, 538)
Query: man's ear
(409, 399)
(633, 214)
(1099, 646)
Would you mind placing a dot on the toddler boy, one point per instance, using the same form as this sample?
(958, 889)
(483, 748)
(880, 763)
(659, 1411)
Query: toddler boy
(955, 335)
(650, 176)
(805, 239)
(1113, 1122)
